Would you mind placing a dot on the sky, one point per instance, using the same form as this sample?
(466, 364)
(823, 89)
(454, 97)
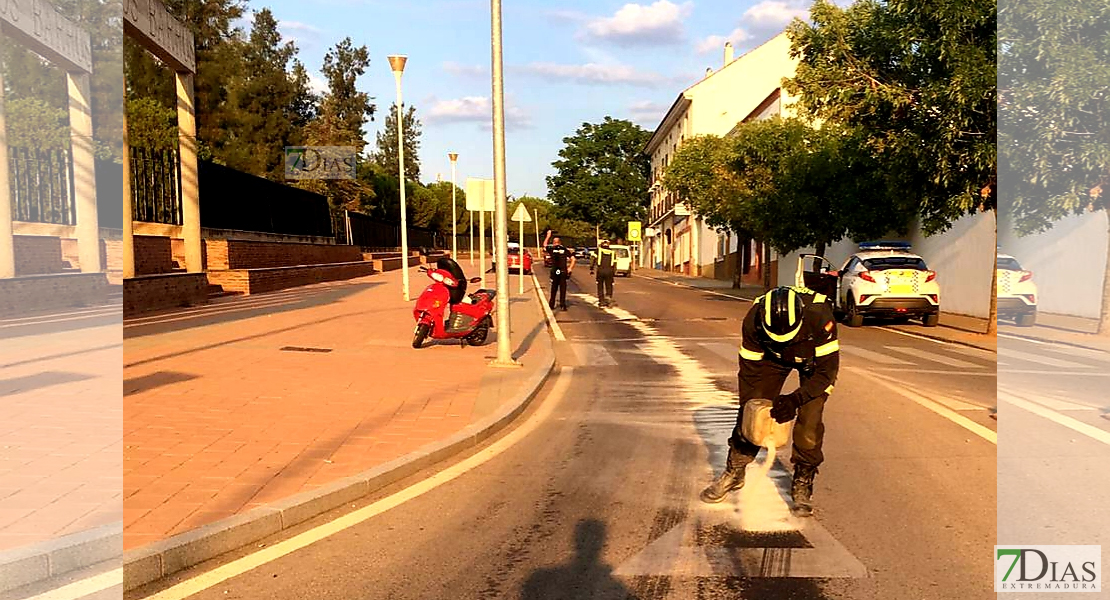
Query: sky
(566, 63)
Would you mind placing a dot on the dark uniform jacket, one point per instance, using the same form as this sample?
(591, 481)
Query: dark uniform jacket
(559, 258)
(814, 351)
(605, 262)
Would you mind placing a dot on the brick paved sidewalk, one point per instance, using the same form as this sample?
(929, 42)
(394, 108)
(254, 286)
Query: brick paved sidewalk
(60, 432)
(219, 419)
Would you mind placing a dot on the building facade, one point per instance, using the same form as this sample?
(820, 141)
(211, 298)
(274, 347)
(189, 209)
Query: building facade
(744, 89)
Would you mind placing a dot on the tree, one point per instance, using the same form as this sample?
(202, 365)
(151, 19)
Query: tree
(918, 80)
(386, 155)
(602, 175)
(342, 116)
(788, 184)
(271, 101)
(36, 124)
(1054, 74)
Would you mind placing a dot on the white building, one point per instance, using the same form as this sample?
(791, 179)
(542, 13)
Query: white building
(747, 88)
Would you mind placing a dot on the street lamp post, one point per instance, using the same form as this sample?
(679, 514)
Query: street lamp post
(397, 64)
(504, 323)
(454, 216)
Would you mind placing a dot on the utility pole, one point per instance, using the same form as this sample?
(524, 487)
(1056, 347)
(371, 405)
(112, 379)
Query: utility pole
(504, 322)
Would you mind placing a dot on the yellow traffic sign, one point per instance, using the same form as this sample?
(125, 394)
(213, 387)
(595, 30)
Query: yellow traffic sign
(633, 231)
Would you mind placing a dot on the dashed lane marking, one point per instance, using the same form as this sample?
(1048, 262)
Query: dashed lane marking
(1040, 359)
(935, 357)
(1076, 425)
(872, 356)
(984, 432)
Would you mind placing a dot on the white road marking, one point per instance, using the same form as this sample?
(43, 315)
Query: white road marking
(547, 314)
(252, 561)
(108, 312)
(84, 587)
(932, 356)
(923, 337)
(690, 287)
(872, 356)
(979, 430)
(920, 371)
(1090, 431)
(593, 355)
(1064, 348)
(1058, 404)
(728, 352)
(1039, 359)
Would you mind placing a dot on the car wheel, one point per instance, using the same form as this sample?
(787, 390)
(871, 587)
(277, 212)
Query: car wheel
(1027, 319)
(931, 320)
(852, 316)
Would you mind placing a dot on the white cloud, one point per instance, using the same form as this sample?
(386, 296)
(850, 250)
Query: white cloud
(774, 14)
(596, 74)
(758, 23)
(475, 109)
(647, 111)
(317, 84)
(297, 26)
(660, 23)
(716, 43)
(462, 70)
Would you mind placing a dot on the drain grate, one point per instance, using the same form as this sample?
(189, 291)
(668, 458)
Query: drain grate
(303, 349)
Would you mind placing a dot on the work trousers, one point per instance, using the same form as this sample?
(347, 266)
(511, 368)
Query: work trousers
(809, 429)
(604, 287)
(558, 286)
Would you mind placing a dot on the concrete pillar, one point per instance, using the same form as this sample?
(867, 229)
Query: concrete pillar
(128, 223)
(190, 197)
(7, 242)
(84, 172)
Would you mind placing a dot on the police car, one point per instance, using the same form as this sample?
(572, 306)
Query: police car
(883, 279)
(1017, 293)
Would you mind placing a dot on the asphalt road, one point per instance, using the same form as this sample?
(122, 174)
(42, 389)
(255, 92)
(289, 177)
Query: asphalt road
(1055, 445)
(594, 493)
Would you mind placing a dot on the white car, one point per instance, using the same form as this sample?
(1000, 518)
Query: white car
(1017, 293)
(623, 255)
(883, 279)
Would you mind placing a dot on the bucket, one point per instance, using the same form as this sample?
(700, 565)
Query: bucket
(760, 428)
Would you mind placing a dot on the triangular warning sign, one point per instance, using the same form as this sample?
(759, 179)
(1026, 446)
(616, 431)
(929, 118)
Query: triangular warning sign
(521, 214)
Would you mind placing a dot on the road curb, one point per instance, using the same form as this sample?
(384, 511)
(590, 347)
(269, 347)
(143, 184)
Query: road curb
(45, 560)
(152, 562)
(1042, 340)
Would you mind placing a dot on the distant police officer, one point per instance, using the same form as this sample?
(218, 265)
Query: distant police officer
(562, 264)
(605, 263)
(787, 329)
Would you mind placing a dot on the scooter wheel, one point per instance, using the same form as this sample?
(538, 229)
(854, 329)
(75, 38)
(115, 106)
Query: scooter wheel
(421, 333)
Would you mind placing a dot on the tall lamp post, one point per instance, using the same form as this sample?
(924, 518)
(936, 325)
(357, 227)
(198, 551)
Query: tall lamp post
(504, 344)
(454, 215)
(397, 64)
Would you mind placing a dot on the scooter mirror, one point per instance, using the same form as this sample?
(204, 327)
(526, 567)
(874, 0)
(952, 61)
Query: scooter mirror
(475, 280)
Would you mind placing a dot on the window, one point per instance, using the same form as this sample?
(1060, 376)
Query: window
(622, 253)
(1008, 264)
(894, 262)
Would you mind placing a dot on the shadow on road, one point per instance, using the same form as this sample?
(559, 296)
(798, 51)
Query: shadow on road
(585, 576)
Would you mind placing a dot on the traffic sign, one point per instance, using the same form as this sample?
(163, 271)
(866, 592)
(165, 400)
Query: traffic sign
(521, 214)
(479, 195)
(633, 231)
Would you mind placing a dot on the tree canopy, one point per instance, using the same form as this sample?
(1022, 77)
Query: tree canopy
(386, 155)
(601, 176)
(917, 80)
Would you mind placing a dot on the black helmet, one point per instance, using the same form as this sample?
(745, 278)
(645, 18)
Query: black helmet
(780, 314)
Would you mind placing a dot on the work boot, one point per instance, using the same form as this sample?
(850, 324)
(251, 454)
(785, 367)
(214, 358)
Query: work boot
(801, 490)
(731, 479)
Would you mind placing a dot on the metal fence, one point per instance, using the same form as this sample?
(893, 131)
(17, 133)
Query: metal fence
(155, 186)
(368, 232)
(41, 183)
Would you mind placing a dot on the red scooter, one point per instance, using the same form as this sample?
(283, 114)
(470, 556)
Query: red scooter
(469, 318)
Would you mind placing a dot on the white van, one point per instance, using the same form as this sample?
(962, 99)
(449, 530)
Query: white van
(624, 259)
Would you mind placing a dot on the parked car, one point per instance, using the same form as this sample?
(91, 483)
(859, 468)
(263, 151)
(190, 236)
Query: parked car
(1017, 293)
(518, 257)
(624, 259)
(883, 279)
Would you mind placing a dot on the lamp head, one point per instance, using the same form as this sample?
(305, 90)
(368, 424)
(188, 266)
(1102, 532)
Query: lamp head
(397, 63)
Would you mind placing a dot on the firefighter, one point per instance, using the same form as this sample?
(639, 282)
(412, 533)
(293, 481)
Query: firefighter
(605, 263)
(787, 329)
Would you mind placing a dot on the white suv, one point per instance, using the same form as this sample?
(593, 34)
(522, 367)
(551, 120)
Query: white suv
(1017, 294)
(883, 279)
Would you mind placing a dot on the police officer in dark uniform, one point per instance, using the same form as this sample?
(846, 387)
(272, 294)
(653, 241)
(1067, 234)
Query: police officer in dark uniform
(788, 328)
(605, 263)
(562, 264)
